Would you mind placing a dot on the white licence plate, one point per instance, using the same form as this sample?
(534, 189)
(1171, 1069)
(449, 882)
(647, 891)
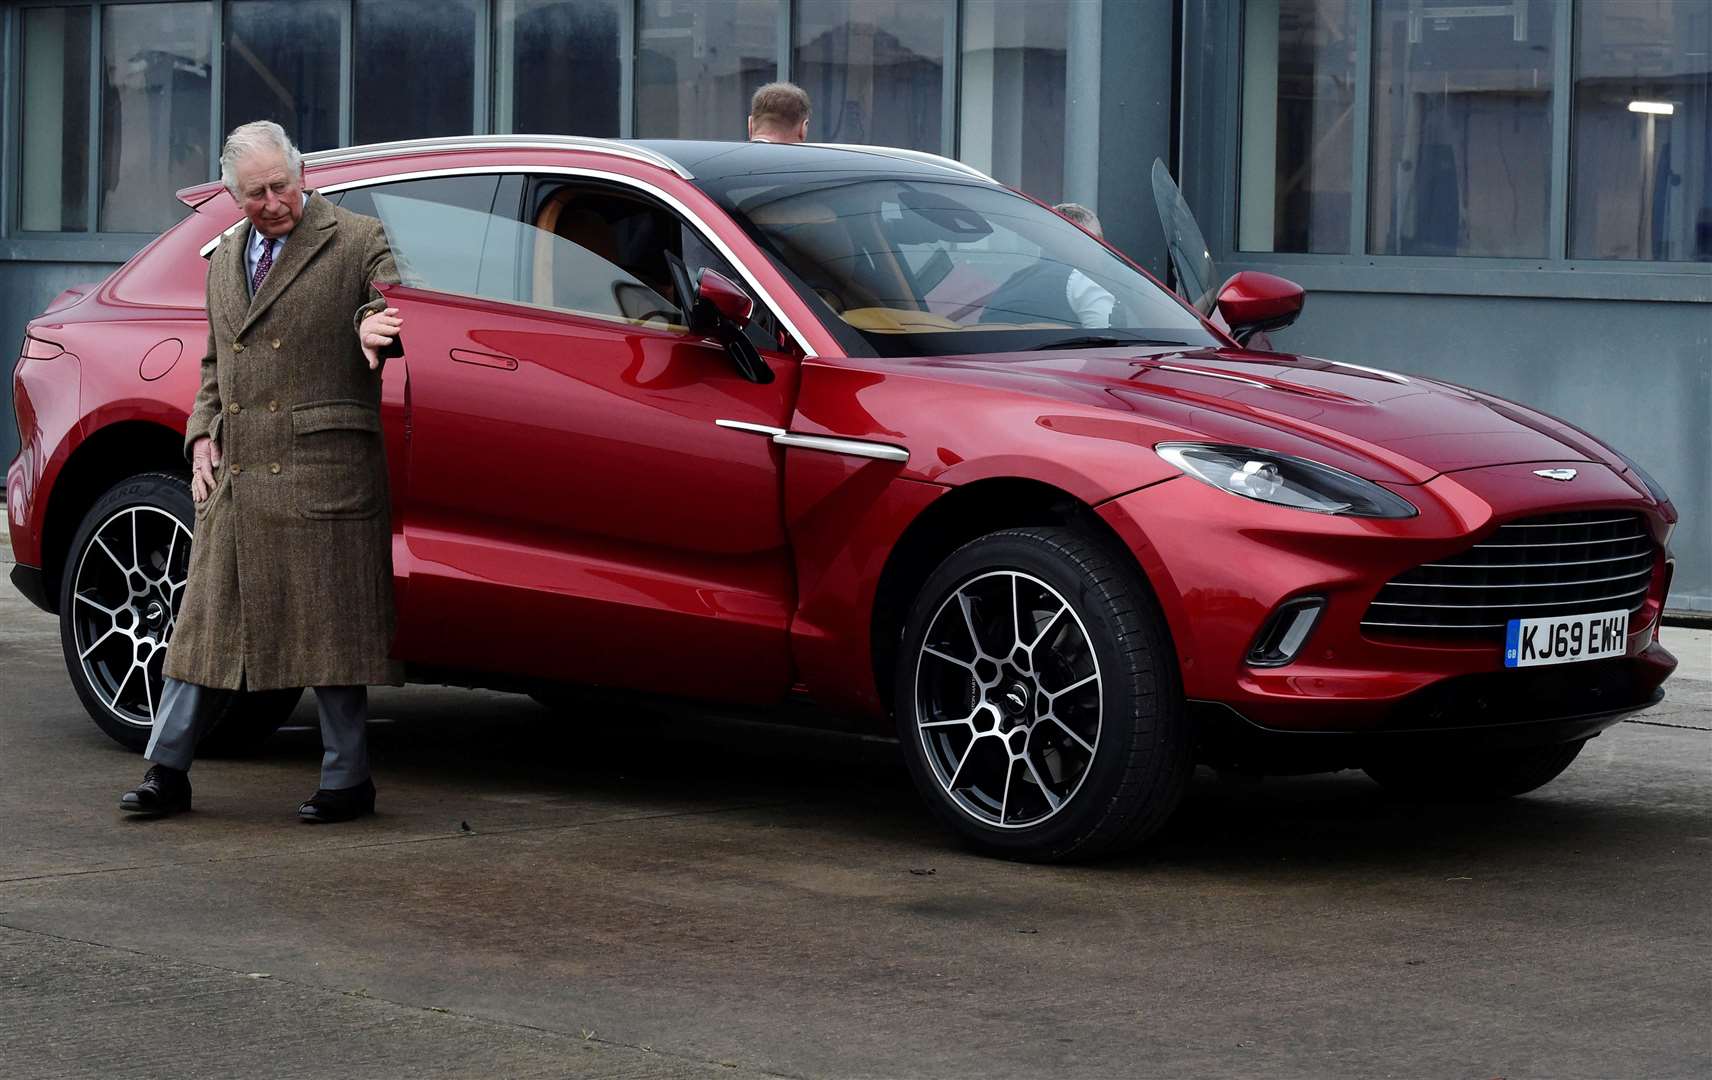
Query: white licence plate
(1565, 640)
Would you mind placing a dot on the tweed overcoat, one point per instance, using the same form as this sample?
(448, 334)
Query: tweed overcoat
(291, 564)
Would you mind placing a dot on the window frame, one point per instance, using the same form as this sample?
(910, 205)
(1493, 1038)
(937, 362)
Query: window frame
(1212, 48)
(708, 236)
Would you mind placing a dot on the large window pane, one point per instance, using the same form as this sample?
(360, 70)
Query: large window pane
(282, 64)
(54, 162)
(699, 63)
(1462, 96)
(874, 70)
(155, 111)
(414, 69)
(1014, 90)
(1642, 152)
(1298, 125)
(560, 60)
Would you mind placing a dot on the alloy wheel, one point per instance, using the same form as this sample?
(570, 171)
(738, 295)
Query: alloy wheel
(1008, 699)
(126, 595)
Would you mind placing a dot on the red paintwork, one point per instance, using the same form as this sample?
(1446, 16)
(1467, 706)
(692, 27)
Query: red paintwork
(565, 507)
(1254, 298)
(724, 294)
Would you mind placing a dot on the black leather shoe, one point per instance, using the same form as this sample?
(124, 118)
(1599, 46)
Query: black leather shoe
(338, 804)
(163, 791)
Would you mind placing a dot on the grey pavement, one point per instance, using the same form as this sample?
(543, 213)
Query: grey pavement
(674, 895)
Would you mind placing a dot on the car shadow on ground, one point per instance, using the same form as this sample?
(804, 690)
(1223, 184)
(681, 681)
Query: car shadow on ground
(856, 787)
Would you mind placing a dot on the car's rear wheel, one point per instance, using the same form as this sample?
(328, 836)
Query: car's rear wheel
(123, 584)
(1490, 774)
(1038, 699)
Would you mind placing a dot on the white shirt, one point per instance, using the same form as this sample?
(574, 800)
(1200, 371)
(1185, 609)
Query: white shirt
(253, 252)
(1091, 302)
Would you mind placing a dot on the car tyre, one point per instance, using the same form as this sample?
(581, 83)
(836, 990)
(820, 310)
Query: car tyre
(1497, 774)
(1038, 700)
(119, 597)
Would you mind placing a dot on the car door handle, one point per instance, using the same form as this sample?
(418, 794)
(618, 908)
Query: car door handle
(482, 359)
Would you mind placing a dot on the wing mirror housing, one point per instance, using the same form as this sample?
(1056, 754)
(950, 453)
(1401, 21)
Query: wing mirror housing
(723, 309)
(725, 297)
(1252, 302)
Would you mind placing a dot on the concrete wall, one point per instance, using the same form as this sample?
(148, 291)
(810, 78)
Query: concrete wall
(1637, 375)
(25, 289)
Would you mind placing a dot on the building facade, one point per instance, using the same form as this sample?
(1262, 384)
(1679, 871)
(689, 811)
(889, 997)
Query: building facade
(1511, 194)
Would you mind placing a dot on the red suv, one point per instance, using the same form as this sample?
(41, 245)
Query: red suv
(767, 424)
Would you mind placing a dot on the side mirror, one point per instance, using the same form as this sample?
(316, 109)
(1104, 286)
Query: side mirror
(1252, 302)
(733, 304)
(724, 309)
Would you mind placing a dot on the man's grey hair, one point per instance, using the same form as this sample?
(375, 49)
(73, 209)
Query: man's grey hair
(258, 136)
(1082, 216)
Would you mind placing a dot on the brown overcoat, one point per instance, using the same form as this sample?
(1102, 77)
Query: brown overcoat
(291, 566)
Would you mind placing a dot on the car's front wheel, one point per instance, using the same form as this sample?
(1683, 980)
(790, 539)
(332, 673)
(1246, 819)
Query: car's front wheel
(1476, 775)
(123, 584)
(1038, 698)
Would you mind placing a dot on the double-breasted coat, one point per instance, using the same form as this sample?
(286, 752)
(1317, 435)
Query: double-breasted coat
(291, 565)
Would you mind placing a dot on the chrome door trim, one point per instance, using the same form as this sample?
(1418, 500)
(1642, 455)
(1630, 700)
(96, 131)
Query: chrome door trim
(850, 447)
(847, 447)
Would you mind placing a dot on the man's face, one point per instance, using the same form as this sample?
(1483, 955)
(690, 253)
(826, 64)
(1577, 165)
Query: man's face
(270, 193)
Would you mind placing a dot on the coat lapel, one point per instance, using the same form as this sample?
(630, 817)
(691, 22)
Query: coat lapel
(311, 235)
(231, 280)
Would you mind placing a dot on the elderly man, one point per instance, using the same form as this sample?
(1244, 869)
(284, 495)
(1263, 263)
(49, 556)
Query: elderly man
(291, 571)
(778, 113)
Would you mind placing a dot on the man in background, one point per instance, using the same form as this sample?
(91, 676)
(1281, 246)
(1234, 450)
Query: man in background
(778, 113)
(1091, 303)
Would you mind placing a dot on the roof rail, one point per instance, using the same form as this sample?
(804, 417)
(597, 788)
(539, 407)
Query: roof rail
(913, 155)
(497, 142)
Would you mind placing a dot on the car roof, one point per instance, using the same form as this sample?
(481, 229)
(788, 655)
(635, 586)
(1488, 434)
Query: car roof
(713, 160)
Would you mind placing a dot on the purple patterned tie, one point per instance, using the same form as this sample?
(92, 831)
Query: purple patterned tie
(263, 265)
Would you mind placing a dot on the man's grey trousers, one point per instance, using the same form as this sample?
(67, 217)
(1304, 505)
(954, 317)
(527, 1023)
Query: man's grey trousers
(187, 711)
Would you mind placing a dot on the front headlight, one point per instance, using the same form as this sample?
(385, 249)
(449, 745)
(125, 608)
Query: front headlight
(1284, 480)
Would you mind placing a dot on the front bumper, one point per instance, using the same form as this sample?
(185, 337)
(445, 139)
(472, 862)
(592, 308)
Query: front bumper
(1221, 565)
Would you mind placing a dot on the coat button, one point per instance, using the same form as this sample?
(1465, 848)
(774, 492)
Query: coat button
(237, 346)
(236, 469)
(274, 468)
(234, 408)
(276, 343)
(273, 406)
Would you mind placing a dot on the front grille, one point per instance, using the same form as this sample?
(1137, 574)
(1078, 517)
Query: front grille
(1566, 564)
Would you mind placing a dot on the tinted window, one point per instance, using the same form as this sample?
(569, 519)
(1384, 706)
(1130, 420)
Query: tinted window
(906, 267)
(282, 64)
(440, 229)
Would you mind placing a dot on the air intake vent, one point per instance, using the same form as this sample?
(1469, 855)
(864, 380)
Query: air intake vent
(1566, 564)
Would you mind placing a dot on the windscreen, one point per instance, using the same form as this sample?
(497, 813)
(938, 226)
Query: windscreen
(912, 267)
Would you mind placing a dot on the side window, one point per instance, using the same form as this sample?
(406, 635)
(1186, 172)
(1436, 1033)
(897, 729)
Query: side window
(450, 233)
(609, 250)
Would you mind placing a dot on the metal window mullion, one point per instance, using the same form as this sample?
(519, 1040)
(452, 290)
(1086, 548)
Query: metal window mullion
(1361, 149)
(787, 27)
(347, 64)
(92, 183)
(948, 115)
(1563, 74)
(628, 18)
(483, 81)
(216, 88)
(10, 130)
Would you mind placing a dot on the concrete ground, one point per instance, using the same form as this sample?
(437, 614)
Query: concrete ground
(662, 896)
